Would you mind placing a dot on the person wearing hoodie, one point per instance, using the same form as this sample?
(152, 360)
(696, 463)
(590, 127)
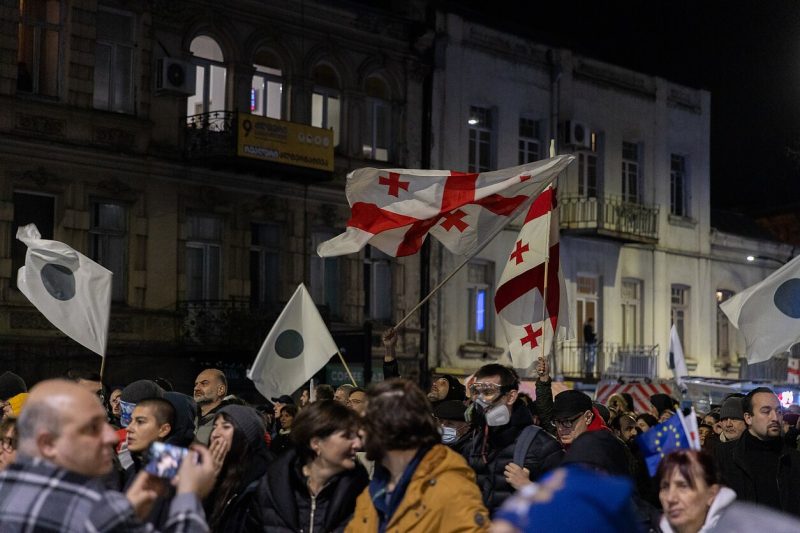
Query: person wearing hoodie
(238, 447)
(185, 414)
(313, 486)
(419, 484)
(692, 498)
(498, 419)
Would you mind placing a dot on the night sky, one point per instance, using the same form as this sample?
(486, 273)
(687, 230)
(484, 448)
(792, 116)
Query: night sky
(747, 53)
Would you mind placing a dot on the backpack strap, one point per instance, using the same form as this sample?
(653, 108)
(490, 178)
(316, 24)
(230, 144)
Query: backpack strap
(524, 442)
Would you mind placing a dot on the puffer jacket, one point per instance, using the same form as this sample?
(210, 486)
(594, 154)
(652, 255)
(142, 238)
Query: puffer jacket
(543, 455)
(441, 497)
(283, 503)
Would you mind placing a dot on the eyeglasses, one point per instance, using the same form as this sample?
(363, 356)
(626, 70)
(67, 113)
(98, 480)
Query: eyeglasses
(568, 422)
(486, 389)
(8, 444)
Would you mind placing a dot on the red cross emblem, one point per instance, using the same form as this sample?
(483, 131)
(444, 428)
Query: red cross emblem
(531, 336)
(394, 183)
(454, 219)
(517, 253)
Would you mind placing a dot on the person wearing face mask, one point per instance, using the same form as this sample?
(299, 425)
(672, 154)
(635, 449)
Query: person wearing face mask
(498, 419)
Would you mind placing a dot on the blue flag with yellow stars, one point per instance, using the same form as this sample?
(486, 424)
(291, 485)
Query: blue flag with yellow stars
(659, 440)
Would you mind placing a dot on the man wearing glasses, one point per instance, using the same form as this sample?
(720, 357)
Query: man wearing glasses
(573, 414)
(498, 420)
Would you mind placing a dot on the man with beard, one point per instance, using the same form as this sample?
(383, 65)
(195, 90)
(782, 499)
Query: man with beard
(210, 388)
(759, 466)
(418, 482)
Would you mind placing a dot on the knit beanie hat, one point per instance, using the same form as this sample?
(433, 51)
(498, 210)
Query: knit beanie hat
(732, 408)
(247, 420)
(662, 402)
(455, 390)
(11, 385)
(141, 390)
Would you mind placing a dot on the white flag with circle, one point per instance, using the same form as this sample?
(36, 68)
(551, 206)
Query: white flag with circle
(296, 348)
(69, 289)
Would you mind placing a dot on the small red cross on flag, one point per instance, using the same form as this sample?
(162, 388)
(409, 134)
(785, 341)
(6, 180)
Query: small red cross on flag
(516, 255)
(532, 335)
(394, 183)
(455, 219)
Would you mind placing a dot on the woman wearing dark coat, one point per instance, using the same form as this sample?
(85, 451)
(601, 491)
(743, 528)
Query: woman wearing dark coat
(237, 440)
(314, 486)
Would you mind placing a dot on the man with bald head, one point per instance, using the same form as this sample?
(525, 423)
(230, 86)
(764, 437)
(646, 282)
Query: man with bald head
(64, 446)
(210, 388)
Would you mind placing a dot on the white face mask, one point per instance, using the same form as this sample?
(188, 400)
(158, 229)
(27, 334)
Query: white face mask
(449, 435)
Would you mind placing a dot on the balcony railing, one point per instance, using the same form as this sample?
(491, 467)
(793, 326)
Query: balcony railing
(611, 216)
(232, 323)
(606, 359)
(211, 134)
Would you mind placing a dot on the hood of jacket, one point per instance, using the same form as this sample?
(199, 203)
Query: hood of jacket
(185, 413)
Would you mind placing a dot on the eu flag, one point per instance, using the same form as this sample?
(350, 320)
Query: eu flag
(659, 440)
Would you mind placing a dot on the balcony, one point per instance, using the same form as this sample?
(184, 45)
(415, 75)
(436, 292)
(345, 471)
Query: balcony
(210, 135)
(229, 323)
(610, 216)
(606, 360)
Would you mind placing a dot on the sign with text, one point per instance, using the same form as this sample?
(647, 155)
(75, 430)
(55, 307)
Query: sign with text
(289, 143)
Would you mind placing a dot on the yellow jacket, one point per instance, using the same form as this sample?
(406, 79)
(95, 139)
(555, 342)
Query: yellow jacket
(441, 497)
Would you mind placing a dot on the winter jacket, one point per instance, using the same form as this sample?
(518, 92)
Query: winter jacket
(234, 517)
(732, 458)
(724, 498)
(489, 451)
(283, 503)
(441, 497)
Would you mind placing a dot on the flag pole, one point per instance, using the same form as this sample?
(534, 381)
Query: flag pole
(347, 368)
(480, 248)
(102, 369)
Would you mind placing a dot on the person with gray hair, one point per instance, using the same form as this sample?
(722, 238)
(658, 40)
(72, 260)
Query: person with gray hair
(64, 445)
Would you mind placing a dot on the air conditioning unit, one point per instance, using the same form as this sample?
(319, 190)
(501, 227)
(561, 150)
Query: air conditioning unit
(175, 77)
(577, 134)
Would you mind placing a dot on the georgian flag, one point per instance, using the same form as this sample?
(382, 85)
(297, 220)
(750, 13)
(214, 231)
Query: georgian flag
(296, 348)
(394, 210)
(69, 289)
(530, 321)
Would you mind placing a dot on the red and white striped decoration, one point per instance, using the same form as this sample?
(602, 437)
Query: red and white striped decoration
(641, 392)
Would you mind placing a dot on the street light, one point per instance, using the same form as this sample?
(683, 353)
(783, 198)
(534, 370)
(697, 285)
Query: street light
(753, 258)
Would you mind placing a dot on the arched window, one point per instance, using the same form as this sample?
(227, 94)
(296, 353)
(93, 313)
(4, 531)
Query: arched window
(266, 92)
(326, 100)
(379, 119)
(209, 92)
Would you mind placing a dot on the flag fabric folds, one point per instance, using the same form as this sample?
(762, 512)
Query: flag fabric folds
(69, 289)
(296, 348)
(530, 318)
(672, 434)
(768, 313)
(395, 209)
(677, 361)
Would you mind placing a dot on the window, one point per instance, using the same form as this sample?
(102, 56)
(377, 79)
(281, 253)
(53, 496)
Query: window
(109, 243)
(325, 101)
(203, 258)
(113, 67)
(325, 276)
(39, 51)
(377, 285)
(29, 208)
(480, 139)
(630, 172)
(725, 333)
(678, 203)
(587, 174)
(679, 312)
(264, 265)
(587, 300)
(209, 94)
(631, 300)
(378, 114)
(266, 92)
(529, 143)
(480, 294)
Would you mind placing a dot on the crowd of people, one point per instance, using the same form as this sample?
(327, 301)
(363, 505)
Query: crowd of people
(476, 457)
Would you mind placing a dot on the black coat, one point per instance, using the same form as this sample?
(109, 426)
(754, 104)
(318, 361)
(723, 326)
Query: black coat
(543, 455)
(735, 473)
(234, 517)
(283, 503)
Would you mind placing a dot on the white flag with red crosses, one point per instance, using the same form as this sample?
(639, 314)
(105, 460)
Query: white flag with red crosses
(529, 320)
(394, 210)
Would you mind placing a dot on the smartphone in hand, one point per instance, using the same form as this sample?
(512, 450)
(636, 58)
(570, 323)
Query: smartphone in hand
(165, 459)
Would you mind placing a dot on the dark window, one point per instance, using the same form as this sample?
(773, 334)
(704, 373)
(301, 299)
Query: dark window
(29, 209)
